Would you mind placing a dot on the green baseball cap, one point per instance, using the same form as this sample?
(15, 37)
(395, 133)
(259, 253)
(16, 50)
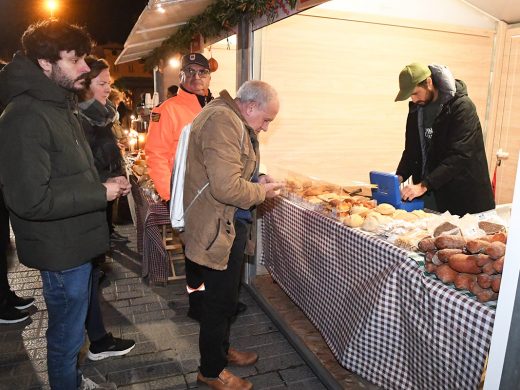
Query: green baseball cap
(410, 77)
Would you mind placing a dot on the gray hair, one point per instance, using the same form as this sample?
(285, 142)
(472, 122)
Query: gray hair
(256, 91)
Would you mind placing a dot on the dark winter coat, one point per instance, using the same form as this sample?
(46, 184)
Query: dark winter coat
(97, 121)
(51, 187)
(456, 167)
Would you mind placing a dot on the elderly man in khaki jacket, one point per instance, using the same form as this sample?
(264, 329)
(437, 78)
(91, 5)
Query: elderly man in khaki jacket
(220, 187)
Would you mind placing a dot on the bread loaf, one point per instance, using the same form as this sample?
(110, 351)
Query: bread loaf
(464, 281)
(483, 259)
(446, 227)
(450, 242)
(444, 254)
(489, 268)
(484, 280)
(498, 265)
(496, 249)
(501, 237)
(430, 267)
(495, 283)
(445, 273)
(426, 244)
(490, 227)
(476, 246)
(464, 263)
(486, 296)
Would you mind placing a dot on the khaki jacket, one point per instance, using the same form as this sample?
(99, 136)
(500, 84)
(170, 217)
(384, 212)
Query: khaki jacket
(221, 160)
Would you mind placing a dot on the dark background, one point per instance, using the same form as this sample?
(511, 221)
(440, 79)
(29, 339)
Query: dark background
(106, 20)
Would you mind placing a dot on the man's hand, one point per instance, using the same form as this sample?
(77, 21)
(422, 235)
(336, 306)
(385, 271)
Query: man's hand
(263, 179)
(272, 189)
(114, 190)
(412, 191)
(123, 183)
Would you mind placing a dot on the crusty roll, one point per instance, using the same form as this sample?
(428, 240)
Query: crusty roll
(496, 249)
(500, 237)
(484, 280)
(427, 244)
(445, 273)
(429, 256)
(450, 242)
(487, 295)
(476, 246)
(444, 254)
(464, 281)
(430, 267)
(483, 259)
(495, 283)
(489, 268)
(498, 265)
(464, 263)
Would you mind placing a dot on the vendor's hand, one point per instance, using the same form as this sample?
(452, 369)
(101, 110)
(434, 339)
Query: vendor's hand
(272, 190)
(412, 191)
(123, 183)
(262, 179)
(114, 190)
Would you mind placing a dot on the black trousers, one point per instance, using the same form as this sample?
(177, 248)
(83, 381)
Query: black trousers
(219, 306)
(4, 244)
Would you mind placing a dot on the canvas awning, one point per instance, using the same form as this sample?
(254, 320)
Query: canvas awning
(158, 21)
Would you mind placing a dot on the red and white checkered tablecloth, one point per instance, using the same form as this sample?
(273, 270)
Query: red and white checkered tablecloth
(380, 315)
(151, 215)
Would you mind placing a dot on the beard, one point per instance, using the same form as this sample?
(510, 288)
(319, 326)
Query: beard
(64, 81)
(427, 99)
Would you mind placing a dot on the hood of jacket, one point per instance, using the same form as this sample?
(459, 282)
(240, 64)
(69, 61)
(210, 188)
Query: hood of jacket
(22, 76)
(98, 114)
(444, 82)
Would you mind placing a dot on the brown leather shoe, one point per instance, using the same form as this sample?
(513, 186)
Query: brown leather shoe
(225, 381)
(237, 358)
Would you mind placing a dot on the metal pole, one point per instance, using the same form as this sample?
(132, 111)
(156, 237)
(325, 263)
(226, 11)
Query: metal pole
(244, 51)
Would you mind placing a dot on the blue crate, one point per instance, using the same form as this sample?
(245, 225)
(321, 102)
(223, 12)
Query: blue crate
(388, 191)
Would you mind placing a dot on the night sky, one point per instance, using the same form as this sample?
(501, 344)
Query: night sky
(106, 20)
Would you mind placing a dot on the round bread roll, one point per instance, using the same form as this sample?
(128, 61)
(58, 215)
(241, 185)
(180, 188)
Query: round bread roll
(385, 209)
(404, 215)
(361, 210)
(371, 223)
(420, 213)
(354, 220)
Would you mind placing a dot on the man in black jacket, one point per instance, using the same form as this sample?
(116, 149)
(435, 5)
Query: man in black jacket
(51, 188)
(444, 148)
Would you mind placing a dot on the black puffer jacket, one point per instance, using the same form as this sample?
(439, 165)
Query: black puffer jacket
(456, 167)
(56, 200)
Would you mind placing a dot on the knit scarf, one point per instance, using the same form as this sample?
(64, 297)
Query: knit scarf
(96, 113)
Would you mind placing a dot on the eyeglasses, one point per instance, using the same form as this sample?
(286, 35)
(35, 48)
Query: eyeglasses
(190, 72)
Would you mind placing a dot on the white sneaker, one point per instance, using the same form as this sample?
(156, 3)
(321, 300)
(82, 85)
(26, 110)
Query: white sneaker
(89, 384)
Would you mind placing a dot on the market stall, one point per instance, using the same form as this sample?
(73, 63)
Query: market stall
(340, 120)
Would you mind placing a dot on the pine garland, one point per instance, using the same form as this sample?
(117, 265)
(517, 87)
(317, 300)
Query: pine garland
(221, 16)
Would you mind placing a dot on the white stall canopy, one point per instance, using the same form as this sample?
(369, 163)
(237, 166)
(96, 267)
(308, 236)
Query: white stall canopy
(158, 21)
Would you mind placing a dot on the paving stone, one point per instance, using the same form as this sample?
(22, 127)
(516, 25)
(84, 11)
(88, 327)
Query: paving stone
(280, 362)
(166, 355)
(266, 381)
(296, 374)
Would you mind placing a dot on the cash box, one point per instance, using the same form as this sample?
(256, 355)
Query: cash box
(388, 191)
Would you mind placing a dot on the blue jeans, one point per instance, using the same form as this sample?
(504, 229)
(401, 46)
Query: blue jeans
(66, 295)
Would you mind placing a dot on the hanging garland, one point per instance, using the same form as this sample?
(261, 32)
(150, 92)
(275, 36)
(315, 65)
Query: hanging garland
(218, 18)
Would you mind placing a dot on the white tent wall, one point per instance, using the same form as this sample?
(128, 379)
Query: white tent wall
(336, 73)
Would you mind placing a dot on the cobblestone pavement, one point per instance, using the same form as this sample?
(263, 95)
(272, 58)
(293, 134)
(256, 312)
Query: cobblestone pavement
(166, 354)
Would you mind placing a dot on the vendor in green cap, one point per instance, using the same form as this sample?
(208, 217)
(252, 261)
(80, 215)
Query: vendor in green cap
(444, 148)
